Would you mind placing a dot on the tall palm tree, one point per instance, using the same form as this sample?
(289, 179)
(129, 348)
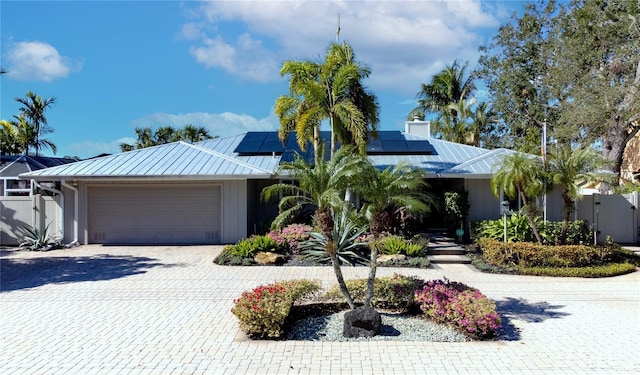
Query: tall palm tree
(521, 175)
(483, 121)
(566, 168)
(449, 86)
(20, 135)
(33, 109)
(321, 187)
(328, 90)
(384, 192)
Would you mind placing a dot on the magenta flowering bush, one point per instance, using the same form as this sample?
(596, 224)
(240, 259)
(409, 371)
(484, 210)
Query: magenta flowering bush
(459, 305)
(292, 236)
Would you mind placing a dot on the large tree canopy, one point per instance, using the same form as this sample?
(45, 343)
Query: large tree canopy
(574, 67)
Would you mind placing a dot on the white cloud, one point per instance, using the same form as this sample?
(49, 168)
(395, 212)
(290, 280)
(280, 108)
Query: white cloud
(223, 124)
(37, 61)
(418, 37)
(246, 58)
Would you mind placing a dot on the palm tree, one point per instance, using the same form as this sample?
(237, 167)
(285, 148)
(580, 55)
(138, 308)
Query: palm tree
(328, 90)
(449, 86)
(321, 187)
(384, 192)
(566, 168)
(521, 175)
(19, 136)
(483, 121)
(193, 134)
(33, 109)
(9, 139)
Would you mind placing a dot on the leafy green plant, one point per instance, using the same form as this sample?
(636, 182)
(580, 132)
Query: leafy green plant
(395, 292)
(35, 239)
(391, 245)
(248, 247)
(413, 262)
(262, 311)
(518, 228)
(230, 258)
(606, 270)
(533, 255)
(456, 209)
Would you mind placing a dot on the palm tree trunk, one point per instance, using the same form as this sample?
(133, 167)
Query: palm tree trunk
(531, 217)
(373, 266)
(568, 209)
(343, 286)
(316, 145)
(333, 136)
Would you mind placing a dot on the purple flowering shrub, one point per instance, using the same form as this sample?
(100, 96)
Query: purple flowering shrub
(292, 236)
(459, 305)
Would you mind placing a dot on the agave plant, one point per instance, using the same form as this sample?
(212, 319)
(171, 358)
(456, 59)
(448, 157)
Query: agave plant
(344, 243)
(35, 239)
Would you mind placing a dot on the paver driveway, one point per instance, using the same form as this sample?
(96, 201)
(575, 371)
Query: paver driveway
(165, 310)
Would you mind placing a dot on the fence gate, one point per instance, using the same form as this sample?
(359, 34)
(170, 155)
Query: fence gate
(615, 215)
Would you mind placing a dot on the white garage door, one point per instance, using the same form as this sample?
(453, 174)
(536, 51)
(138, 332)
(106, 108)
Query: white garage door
(155, 214)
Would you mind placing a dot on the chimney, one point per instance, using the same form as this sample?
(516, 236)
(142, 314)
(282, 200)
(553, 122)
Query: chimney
(417, 127)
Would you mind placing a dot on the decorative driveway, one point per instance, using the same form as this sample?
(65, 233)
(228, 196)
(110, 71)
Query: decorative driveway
(166, 310)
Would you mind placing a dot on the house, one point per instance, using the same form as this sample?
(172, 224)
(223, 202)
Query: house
(209, 192)
(19, 207)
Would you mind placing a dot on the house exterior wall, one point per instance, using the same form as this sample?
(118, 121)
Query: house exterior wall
(483, 205)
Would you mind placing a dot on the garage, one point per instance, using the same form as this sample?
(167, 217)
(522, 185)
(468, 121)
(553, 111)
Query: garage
(155, 214)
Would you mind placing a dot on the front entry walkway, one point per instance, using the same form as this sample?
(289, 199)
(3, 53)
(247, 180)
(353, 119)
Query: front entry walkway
(165, 310)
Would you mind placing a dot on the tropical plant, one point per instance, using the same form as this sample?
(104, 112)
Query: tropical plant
(33, 111)
(328, 90)
(340, 247)
(449, 86)
(35, 239)
(166, 134)
(385, 192)
(521, 175)
(321, 187)
(568, 167)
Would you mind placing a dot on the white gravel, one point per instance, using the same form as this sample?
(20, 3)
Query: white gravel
(395, 327)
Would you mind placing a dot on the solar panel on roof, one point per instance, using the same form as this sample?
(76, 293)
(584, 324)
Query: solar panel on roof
(392, 135)
(270, 146)
(423, 147)
(374, 146)
(392, 147)
(248, 147)
(255, 136)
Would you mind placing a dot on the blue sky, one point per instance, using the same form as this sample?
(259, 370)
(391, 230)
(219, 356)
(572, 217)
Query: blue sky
(117, 65)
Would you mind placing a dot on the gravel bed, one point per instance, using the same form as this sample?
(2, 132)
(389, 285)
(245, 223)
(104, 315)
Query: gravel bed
(395, 327)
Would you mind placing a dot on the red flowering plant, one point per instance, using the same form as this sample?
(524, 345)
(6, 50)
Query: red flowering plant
(292, 236)
(262, 311)
(459, 305)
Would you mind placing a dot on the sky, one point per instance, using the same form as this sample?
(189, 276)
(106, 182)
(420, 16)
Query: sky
(116, 65)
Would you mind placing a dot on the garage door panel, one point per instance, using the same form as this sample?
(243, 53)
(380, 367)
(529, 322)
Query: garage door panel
(155, 214)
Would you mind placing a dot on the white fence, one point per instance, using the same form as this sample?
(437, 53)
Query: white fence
(18, 213)
(616, 215)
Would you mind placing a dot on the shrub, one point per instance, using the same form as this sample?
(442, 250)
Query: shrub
(396, 245)
(607, 270)
(413, 262)
(228, 257)
(533, 255)
(459, 305)
(519, 230)
(291, 236)
(248, 247)
(474, 313)
(394, 292)
(263, 311)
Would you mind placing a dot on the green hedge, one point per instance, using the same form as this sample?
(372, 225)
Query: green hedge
(525, 254)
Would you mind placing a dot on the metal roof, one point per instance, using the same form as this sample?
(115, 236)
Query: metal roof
(178, 159)
(217, 158)
(14, 165)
